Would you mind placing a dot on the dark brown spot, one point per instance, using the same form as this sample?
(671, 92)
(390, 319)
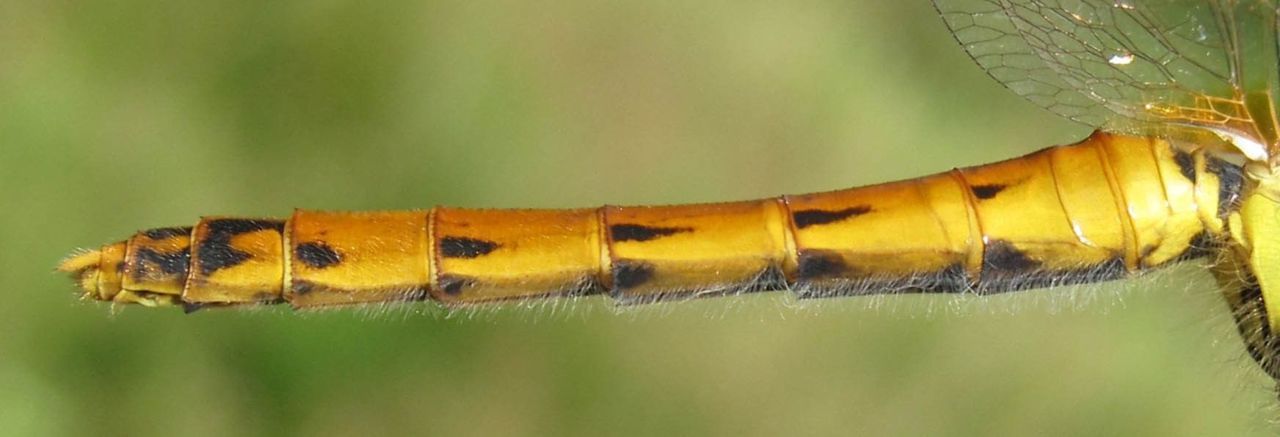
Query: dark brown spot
(629, 274)
(453, 285)
(1186, 164)
(633, 232)
(814, 264)
(1230, 182)
(317, 255)
(810, 217)
(167, 233)
(463, 247)
(230, 227)
(215, 250)
(214, 258)
(987, 191)
(1003, 256)
(1006, 268)
(301, 286)
(168, 263)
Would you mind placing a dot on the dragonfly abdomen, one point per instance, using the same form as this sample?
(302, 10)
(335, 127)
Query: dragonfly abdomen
(1096, 210)
(1100, 209)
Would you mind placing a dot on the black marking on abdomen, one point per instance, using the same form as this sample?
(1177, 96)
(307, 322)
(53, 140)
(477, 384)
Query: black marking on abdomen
(629, 274)
(1186, 164)
(811, 217)
(814, 264)
(167, 233)
(463, 247)
(169, 263)
(302, 286)
(987, 191)
(1006, 268)
(634, 232)
(1003, 256)
(317, 255)
(216, 252)
(1230, 182)
(452, 285)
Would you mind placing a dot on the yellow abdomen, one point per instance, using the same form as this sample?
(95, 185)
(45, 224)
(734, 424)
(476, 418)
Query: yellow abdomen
(1097, 210)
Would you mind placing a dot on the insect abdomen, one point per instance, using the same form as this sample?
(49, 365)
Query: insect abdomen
(1096, 210)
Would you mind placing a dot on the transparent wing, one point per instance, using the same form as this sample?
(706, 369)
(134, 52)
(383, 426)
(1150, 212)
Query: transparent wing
(1129, 65)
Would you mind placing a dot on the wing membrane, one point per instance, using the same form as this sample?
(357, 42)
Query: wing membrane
(1129, 65)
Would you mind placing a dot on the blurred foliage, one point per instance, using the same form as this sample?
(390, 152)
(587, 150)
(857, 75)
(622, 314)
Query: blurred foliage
(123, 115)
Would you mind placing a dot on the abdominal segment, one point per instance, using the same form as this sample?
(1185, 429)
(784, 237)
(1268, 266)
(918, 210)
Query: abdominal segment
(1101, 209)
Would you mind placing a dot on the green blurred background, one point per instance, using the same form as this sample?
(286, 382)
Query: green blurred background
(116, 116)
